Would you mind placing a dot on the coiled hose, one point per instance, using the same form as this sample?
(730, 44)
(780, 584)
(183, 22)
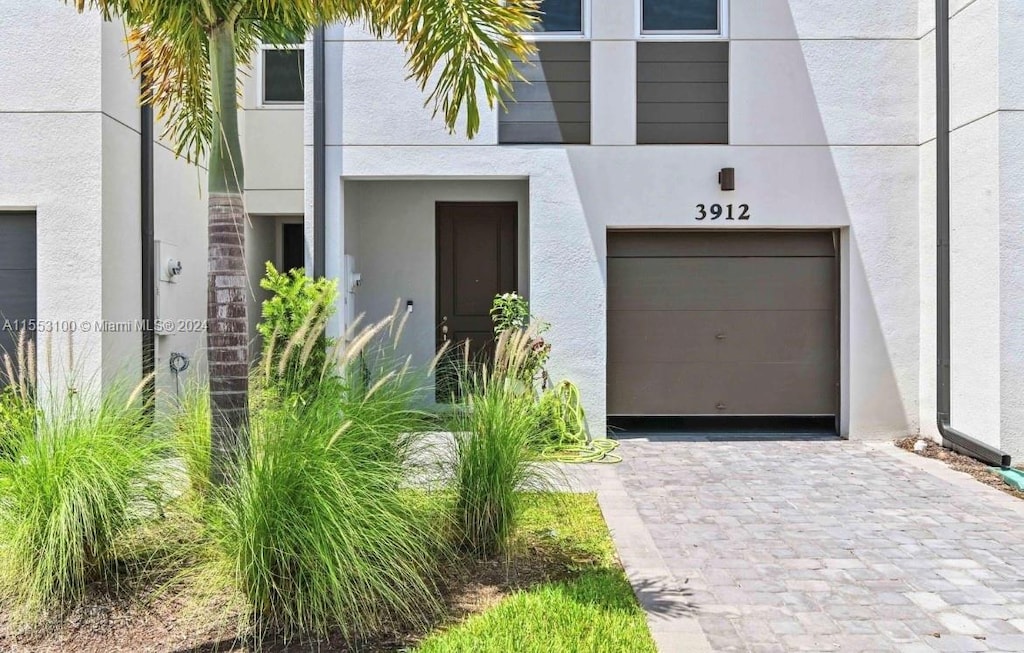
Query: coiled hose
(565, 426)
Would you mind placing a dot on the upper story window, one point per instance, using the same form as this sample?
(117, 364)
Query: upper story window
(283, 73)
(669, 17)
(561, 18)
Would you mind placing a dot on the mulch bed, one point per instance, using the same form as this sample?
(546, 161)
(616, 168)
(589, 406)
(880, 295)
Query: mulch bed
(960, 463)
(112, 621)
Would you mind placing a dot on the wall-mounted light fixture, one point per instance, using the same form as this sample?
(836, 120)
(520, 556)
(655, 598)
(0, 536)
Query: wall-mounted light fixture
(727, 178)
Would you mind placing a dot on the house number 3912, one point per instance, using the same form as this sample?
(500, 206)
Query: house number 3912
(719, 212)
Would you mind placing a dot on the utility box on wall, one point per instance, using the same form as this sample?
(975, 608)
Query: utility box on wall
(168, 269)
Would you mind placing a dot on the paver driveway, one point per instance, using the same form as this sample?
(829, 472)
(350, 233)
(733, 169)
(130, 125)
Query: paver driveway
(822, 546)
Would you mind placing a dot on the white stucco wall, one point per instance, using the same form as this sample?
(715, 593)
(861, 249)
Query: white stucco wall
(825, 129)
(986, 305)
(272, 149)
(1011, 229)
(974, 220)
(260, 246)
(1011, 286)
(51, 162)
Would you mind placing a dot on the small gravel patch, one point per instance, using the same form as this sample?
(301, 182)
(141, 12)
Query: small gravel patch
(960, 463)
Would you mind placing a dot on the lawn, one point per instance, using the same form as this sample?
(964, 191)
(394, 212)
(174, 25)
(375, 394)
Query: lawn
(590, 608)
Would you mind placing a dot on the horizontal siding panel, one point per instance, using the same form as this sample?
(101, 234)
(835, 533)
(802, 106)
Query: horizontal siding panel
(561, 51)
(682, 92)
(693, 133)
(555, 71)
(573, 133)
(551, 92)
(683, 72)
(675, 112)
(686, 52)
(548, 112)
(553, 104)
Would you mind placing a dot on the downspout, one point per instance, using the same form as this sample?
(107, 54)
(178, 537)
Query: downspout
(148, 254)
(319, 156)
(951, 438)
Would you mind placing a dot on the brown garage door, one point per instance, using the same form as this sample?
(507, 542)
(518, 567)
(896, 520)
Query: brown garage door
(722, 323)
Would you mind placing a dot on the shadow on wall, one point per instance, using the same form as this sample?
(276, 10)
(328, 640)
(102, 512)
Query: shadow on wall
(790, 179)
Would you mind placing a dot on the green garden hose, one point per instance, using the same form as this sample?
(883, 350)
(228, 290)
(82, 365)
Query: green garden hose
(564, 424)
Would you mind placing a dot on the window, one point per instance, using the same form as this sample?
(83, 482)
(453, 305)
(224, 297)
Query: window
(560, 17)
(682, 16)
(283, 74)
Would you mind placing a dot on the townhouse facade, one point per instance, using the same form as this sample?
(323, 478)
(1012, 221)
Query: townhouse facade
(726, 209)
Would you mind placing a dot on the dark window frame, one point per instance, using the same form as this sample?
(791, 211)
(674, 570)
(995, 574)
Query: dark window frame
(265, 101)
(583, 33)
(722, 32)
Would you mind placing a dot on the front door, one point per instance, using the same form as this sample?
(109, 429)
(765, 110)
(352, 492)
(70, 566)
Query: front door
(476, 260)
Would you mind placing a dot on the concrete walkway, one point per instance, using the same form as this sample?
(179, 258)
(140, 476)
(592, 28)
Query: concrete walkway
(814, 546)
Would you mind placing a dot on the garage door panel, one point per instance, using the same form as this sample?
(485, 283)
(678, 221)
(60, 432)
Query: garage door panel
(777, 336)
(17, 241)
(654, 336)
(659, 389)
(17, 276)
(17, 295)
(725, 336)
(722, 389)
(647, 244)
(721, 283)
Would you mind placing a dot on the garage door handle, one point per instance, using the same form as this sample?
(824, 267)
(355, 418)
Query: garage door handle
(720, 336)
(720, 406)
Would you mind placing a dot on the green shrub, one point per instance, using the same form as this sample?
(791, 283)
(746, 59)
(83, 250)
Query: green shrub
(318, 531)
(17, 414)
(510, 313)
(75, 481)
(493, 458)
(17, 394)
(295, 317)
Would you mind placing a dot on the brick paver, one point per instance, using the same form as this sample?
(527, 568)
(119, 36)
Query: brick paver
(829, 546)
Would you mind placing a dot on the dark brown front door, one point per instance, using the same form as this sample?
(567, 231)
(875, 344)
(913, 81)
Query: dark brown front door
(476, 260)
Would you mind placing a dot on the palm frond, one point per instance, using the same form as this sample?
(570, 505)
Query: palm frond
(175, 79)
(461, 46)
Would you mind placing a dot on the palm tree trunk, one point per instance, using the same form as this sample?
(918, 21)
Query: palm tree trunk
(227, 336)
